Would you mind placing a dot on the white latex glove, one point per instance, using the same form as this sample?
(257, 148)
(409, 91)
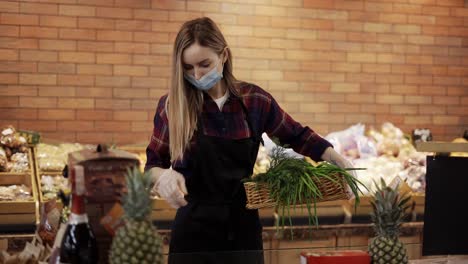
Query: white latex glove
(335, 158)
(170, 185)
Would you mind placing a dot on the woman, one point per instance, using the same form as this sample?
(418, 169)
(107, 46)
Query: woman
(207, 131)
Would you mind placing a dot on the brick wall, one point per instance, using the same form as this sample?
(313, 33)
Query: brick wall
(93, 70)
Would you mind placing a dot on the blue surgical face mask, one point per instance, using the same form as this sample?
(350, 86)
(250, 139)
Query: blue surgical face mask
(207, 81)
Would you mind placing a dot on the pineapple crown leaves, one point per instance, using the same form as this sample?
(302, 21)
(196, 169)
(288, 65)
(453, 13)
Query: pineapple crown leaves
(389, 207)
(137, 200)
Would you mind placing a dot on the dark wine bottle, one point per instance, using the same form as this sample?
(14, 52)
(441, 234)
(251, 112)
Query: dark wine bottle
(79, 244)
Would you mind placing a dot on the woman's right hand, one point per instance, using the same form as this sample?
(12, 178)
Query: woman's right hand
(169, 185)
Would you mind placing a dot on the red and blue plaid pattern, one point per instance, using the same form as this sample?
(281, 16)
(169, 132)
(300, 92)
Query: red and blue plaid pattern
(265, 115)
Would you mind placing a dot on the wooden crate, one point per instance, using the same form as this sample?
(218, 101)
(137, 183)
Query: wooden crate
(20, 212)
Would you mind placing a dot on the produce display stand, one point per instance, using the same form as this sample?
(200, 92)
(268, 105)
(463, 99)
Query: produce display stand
(20, 216)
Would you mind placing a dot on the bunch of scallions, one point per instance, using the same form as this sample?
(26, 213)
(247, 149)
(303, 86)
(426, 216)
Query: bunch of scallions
(293, 182)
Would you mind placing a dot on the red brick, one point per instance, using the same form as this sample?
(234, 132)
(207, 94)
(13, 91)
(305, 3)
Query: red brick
(85, 114)
(310, 44)
(419, 59)
(94, 2)
(448, 41)
(361, 57)
(38, 102)
(349, 5)
(114, 35)
(151, 37)
(404, 89)
(130, 70)
(29, 55)
(95, 46)
(298, 76)
(160, 71)
(19, 19)
(393, 18)
(133, 3)
(362, 37)
(436, 10)
(385, 78)
(75, 126)
(340, 25)
(446, 100)
(203, 7)
(21, 43)
(38, 32)
(9, 7)
(347, 46)
(314, 108)
(165, 4)
(449, 21)
(375, 108)
(434, 69)
(360, 98)
(403, 109)
(331, 35)
(96, 23)
(10, 90)
(131, 47)
(113, 126)
(78, 34)
(133, 25)
(142, 126)
(422, 19)
(129, 137)
(390, 58)
(450, 2)
(41, 79)
(432, 109)
(447, 60)
(56, 114)
(9, 31)
(363, 16)
(58, 91)
(149, 82)
(75, 103)
(161, 49)
(314, 66)
(113, 81)
(378, 7)
(418, 79)
(113, 104)
(77, 10)
(18, 114)
(346, 67)
(246, 20)
(46, 67)
(457, 110)
(434, 50)
(58, 21)
(94, 69)
(8, 78)
(457, 91)
(408, 9)
(77, 80)
(8, 54)
(458, 31)
(94, 92)
(433, 90)
(461, 12)
(41, 126)
(318, 4)
(46, 44)
(93, 137)
(405, 69)
(9, 101)
(33, 8)
(150, 60)
(110, 58)
(183, 16)
(13, 66)
(151, 14)
(218, 18)
(130, 116)
(436, 30)
(77, 57)
(417, 119)
(364, 118)
(314, 24)
(360, 77)
(376, 68)
(442, 80)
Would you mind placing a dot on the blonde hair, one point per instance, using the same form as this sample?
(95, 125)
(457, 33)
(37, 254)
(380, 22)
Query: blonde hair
(184, 101)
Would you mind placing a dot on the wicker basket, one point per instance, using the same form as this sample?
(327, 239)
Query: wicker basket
(258, 194)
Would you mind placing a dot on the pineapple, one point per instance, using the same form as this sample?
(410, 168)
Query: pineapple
(389, 208)
(137, 241)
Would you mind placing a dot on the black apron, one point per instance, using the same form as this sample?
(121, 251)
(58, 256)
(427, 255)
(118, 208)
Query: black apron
(215, 226)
